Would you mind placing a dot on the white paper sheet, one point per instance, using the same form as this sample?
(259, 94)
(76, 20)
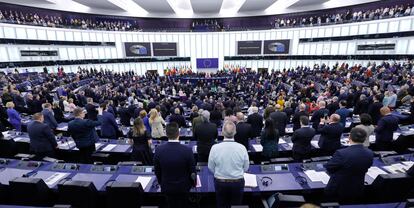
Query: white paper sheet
(348, 124)
(408, 164)
(198, 182)
(282, 141)
(66, 145)
(315, 144)
(289, 130)
(317, 176)
(257, 147)
(396, 168)
(108, 147)
(373, 172)
(372, 138)
(144, 180)
(98, 145)
(53, 179)
(395, 135)
(250, 180)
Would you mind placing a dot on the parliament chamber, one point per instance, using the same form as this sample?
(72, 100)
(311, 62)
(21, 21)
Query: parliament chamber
(220, 103)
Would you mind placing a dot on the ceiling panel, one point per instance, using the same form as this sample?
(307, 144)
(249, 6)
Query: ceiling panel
(100, 4)
(206, 6)
(306, 3)
(156, 6)
(255, 5)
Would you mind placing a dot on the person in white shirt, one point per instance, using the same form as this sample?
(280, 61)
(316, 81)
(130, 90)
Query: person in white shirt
(228, 161)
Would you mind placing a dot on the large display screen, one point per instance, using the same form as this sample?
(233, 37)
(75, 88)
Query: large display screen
(133, 49)
(164, 49)
(207, 63)
(276, 47)
(249, 47)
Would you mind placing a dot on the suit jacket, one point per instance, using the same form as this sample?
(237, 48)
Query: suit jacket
(109, 127)
(317, 115)
(256, 121)
(385, 129)
(330, 139)
(347, 169)
(244, 134)
(179, 119)
(124, 116)
(49, 118)
(301, 139)
(83, 132)
(173, 165)
(280, 119)
(92, 113)
(205, 133)
(296, 119)
(374, 112)
(41, 137)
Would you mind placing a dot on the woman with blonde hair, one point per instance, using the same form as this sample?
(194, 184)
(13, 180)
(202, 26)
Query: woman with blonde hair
(156, 122)
(14, 116)
(141, 140)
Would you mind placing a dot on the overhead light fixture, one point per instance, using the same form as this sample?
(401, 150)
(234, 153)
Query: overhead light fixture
(181, 7)
(231, 7)
(279, 6)
(129, 6)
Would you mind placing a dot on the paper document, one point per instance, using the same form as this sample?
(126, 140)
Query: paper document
(144, 180)
(289, 130)
(282, 141)
(257, 147)
(372, 138)
(373, 172)
(395, 135)
(315, 144)
(22, 139)
(347, 124)
(55, 178)
(64, 128)
(66, 145)
(250, 180)
(408, 164)
(195, 148)
(98, 145)
(108, 147)
(317, 176)
(396, 168)
(198, 182)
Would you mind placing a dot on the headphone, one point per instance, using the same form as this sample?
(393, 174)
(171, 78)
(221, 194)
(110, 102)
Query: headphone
(266, 181)
(301, 180)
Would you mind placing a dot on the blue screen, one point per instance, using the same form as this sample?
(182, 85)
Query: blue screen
(207, 63)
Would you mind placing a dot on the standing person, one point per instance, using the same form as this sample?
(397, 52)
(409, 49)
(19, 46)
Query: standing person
(347, 169)
(141, 140)
(280, 119)
(92, 113)
(244, 131)
(301, 139)
(49, 118)
(270, 140)
(343, 112)
(156, 122)
(84, 134)
(228, 161)
(205, 133)
(385, 130)
(42, 140)
(256, 120)
(366, 125)
(297, 115)
(331, 132)
(109, 127)
(322, 112)
(174, 166)
(14, 116)
(374, 109)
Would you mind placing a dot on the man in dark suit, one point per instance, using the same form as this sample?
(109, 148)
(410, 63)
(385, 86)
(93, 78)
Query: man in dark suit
(49, 118)
(244, 131)
(347, 169)
(331, 132)
(91, 111)
(84, 134)
(374, 109)
(42, 139)
(301, 139)
(109, 127)
(333, 105)
(385, 130)
(174, 166)
(322, 112)
(256, 121)
(178, 118)
(205, 133)
(280, 118)
(298, 115)
(124, 116)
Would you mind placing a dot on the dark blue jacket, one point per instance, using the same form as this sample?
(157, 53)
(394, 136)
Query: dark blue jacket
(301, 139)
(109, 127)
(174, 163)
(385, 129)
(49, 119)
(347, 170)
(343, 113)
(41, 137)
(83, 132)
(330, 139)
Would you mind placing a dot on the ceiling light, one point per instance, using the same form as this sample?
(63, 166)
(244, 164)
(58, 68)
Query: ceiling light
(279, 6)
(129, 6)
(181, 7)
(231, 7)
